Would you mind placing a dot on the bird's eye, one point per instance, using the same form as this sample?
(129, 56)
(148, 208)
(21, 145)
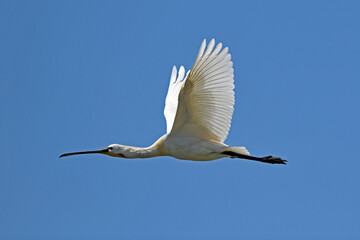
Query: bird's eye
(110, 148)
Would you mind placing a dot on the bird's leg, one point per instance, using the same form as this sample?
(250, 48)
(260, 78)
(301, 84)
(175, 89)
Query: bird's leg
(273, 160)
(266, 159)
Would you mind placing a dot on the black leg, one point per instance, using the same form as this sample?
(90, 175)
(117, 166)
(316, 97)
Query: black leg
(266, 159)
(273, 160)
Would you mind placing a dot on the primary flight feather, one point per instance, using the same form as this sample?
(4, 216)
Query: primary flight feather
(198, 112)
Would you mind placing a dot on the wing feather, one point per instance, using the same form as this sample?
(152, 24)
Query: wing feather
(171, 102)
(205, 102)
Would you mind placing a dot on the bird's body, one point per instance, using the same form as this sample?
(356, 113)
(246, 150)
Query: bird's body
(198, 112)
(191, 148)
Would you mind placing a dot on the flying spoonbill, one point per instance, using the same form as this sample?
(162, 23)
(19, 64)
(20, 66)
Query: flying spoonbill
(198, 112)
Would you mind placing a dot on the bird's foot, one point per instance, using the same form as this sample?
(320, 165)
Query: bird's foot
(273, 160)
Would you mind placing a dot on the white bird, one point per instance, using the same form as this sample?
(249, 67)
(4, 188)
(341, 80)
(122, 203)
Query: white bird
(198, 112)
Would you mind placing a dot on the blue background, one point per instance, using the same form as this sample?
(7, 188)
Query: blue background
(80, 75)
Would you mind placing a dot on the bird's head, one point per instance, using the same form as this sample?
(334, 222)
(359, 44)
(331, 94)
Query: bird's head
(114, 150)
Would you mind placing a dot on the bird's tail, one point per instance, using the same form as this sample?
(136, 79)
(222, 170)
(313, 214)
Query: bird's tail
(239, 150)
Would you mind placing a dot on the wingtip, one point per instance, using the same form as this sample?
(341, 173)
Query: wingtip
(173, 75)
(203, 44)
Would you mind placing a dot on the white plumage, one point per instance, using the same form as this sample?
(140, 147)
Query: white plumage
(171, 102)
(206, 102)
(198, 112)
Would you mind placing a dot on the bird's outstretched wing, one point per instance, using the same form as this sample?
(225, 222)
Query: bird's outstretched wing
(205, 102)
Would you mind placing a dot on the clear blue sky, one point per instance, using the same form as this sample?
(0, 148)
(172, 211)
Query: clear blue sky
(80, 75)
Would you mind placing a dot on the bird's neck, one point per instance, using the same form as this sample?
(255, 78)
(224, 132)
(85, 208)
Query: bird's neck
(138, 152)
(154, 150)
